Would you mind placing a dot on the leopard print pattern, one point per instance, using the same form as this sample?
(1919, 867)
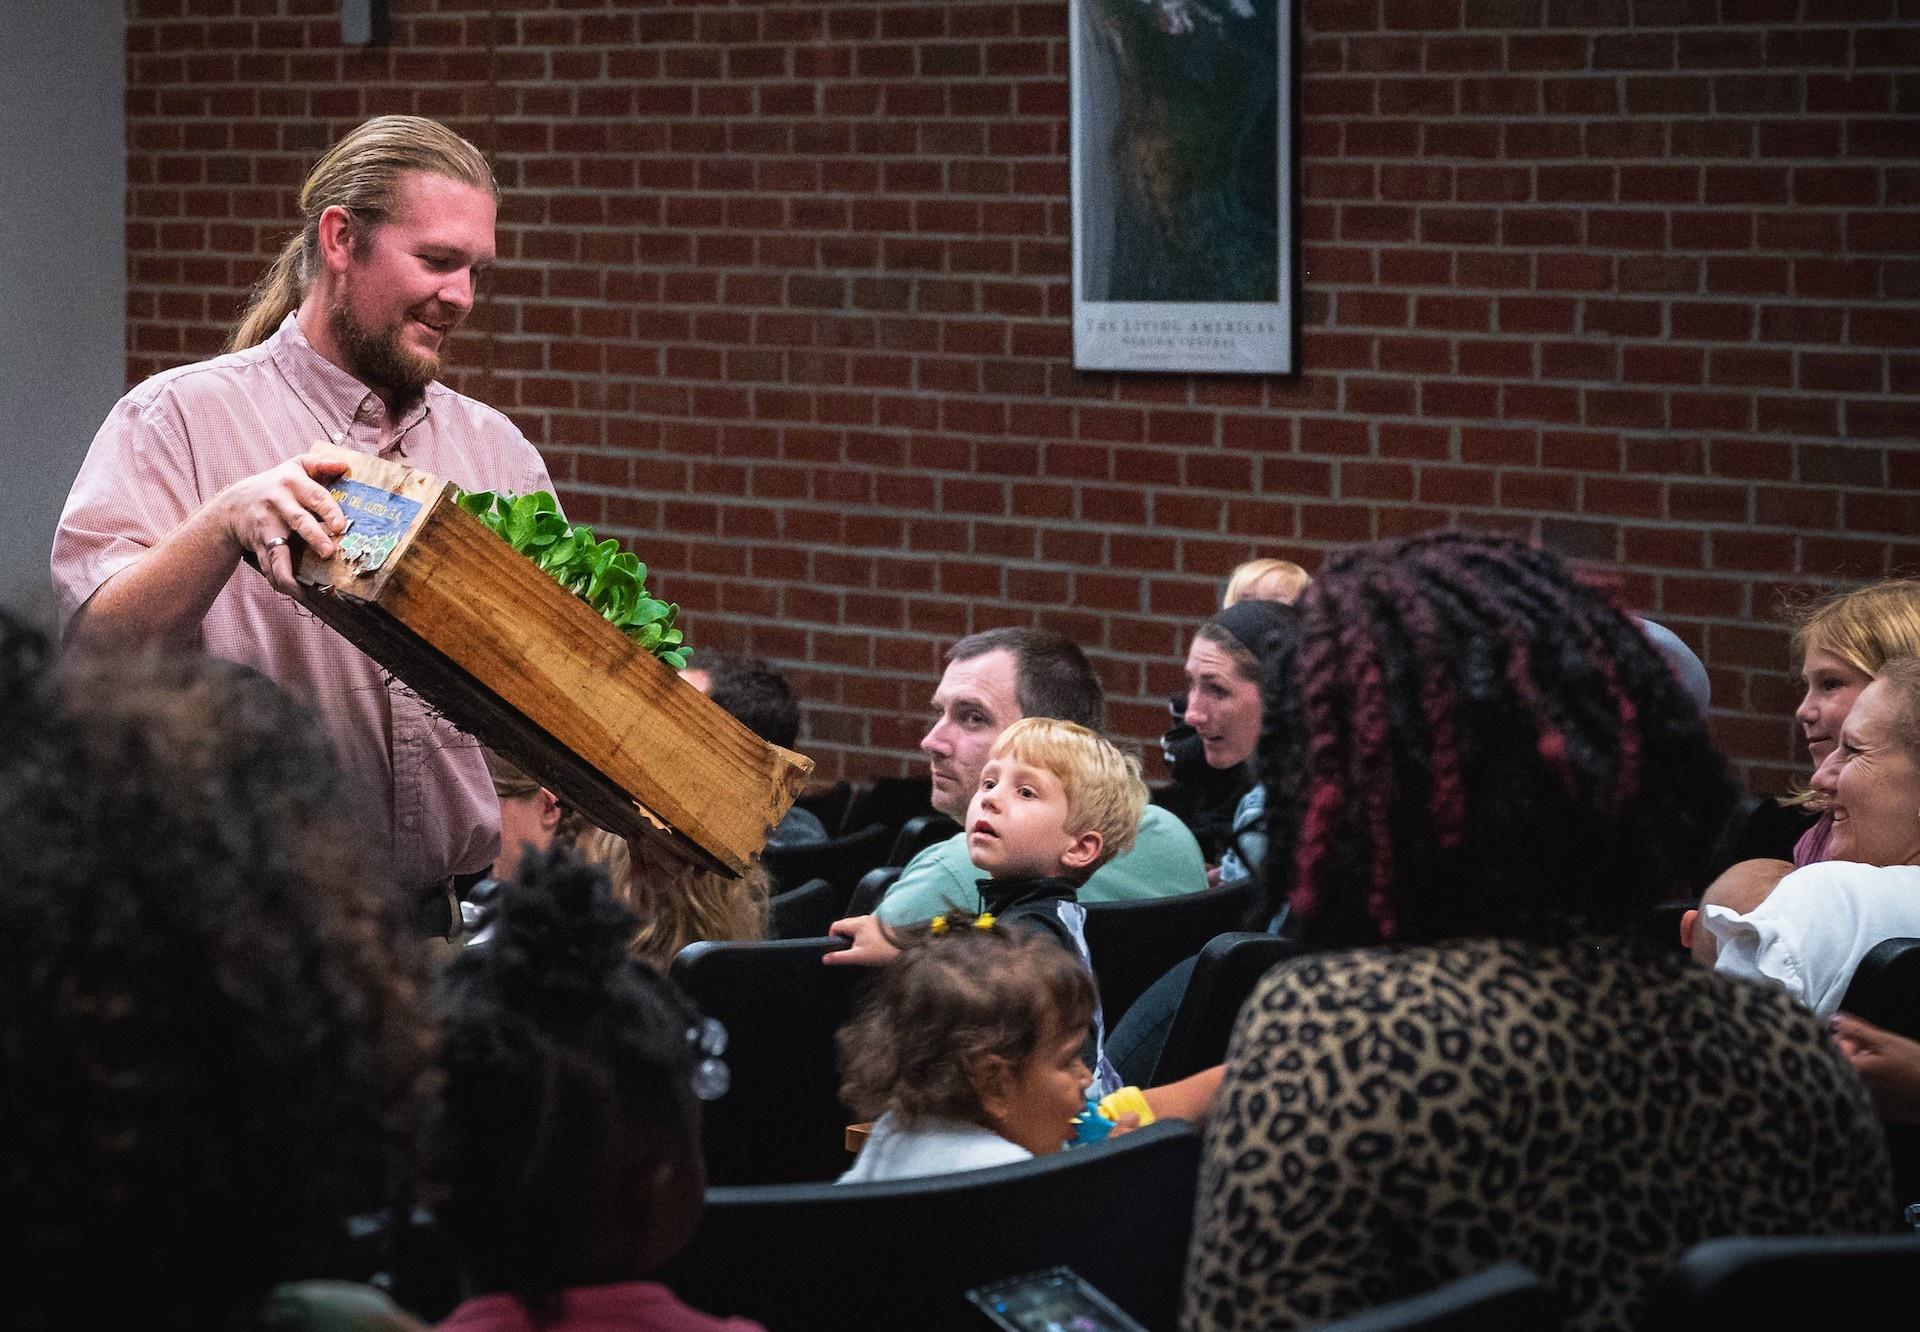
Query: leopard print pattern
(1393, 1120)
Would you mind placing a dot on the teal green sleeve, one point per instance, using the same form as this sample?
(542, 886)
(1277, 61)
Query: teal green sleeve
(1165, 861)
(939, 879)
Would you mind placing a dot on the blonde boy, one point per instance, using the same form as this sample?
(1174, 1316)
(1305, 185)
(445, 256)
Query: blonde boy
(1055, 802)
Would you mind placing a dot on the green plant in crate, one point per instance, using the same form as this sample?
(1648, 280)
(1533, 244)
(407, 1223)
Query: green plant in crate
(607, 578)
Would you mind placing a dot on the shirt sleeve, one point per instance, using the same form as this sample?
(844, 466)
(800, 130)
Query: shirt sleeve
(136, 484)
(1757, 947)
(929, 886)
(1815, 926)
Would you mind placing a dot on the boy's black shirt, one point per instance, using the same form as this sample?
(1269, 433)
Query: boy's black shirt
(1030, 904)
(1033, 904)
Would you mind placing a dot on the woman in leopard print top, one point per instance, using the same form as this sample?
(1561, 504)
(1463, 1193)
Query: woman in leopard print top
(1479, 775)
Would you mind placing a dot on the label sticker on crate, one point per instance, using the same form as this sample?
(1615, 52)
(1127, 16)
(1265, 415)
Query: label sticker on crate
(376, 520)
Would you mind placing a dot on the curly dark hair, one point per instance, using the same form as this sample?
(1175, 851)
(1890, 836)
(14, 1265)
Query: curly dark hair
(950, 1000)
(563, 1057)
(211, 1022)
(1468, 741)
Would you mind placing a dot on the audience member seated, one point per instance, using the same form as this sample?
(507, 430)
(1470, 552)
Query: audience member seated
(1479, 775)
(1205, 797)
(531, 817)
(1266, 580)
(569, 1142)
(969, 1051)
(215, 1049)
(674, 903)
(1841, 641)
(1810, 932)
(1224, 673)
(1056, 801)
(760, 699)
(993, 680)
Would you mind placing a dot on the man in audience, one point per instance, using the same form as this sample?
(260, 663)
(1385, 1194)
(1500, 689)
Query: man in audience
(204, 465)
(992, 680)
(760, 699)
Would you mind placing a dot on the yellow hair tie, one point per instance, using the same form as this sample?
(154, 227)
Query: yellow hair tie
(938, 925)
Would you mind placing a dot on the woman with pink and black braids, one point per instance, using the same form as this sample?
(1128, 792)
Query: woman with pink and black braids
(1480, 775)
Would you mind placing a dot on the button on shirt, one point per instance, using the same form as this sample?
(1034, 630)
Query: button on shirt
(186, 434)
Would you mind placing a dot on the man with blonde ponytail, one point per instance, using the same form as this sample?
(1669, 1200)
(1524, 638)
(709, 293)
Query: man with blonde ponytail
(205, 465)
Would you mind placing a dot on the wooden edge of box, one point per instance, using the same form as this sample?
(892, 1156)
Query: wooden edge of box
(350, 601)
(545, 652)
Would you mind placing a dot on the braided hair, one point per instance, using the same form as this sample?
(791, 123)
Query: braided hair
(1470, 741)
(562, 1057)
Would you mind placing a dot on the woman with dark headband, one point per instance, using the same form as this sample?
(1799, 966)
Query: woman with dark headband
(1225, 667)
(1479, 777)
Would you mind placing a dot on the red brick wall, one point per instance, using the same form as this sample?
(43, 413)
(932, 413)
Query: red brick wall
(784, 300)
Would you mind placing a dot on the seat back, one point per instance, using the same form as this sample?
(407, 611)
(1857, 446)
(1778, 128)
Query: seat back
(872, 887)
(902, 1254)
(1502, 1298)
(1134, 943)
(890, 801)
(829, 805)
(840, 862)
(919, 833)
(1224, 975)
(1885, 989)
(782, 1119)
(803, 913)
(1861, 1282)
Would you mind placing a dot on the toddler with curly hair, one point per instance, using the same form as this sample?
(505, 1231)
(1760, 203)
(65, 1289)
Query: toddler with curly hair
(969, 1052)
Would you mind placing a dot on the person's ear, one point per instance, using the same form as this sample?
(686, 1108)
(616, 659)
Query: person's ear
(551, 811)
(1688, 919)
(993, 1084)
(1084, 850)
(338, 232)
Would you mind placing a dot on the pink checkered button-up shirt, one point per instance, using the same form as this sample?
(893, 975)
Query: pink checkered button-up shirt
(186, 434)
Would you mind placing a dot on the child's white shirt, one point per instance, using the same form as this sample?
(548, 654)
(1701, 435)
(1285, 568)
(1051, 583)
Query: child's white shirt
(1809, 935)
(894, 1150)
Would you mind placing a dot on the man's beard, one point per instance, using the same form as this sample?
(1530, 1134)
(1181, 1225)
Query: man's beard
(377, 359)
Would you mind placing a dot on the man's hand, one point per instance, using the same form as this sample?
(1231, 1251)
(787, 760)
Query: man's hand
(1888, 1064)
(871, 947)
(163, 595)
(261, 513)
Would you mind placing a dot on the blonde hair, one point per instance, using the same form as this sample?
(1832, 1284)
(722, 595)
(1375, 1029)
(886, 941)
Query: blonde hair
(675, 903)
(363, 174)
(1105, 792)
(1866, 627)
(1863, 626)
(1266, 580)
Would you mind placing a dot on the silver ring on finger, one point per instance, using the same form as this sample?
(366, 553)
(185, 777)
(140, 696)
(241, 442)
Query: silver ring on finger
(271, 542)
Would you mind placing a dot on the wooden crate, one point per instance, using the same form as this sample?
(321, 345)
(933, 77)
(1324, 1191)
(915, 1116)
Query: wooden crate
(512, 658)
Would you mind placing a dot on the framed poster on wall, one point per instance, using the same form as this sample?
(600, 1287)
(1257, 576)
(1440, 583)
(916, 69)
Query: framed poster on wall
(1184, 157)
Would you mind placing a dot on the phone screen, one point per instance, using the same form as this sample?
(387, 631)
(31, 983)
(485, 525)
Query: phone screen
(1053, 1301)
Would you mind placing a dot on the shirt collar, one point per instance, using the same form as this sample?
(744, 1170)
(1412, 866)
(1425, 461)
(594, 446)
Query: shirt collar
(336, 399)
